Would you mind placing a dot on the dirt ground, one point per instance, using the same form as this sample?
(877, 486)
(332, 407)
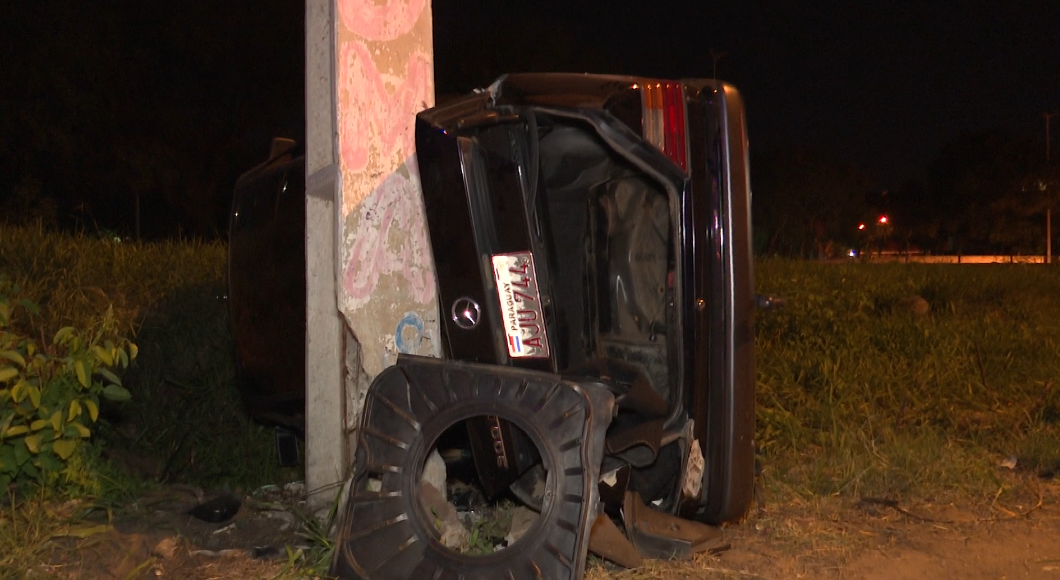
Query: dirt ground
(157, 538)
(882, 540)
(827, 538)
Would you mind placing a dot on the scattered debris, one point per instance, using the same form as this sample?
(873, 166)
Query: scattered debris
(488, 525)
(607, 541)
(693, 483)
(265, 553)
(657, 534)
(288, 518)
(155, 531)
(434, 472)
(227, 528)
(218, 553)
(522, 519)
(446, 518)
(217, 510)
(295, 490)
(166, 549)
(465, 497)
(267, 491)
(290, 492)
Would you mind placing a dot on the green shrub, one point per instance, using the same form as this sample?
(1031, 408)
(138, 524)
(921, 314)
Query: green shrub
(50, 394)
(185, 422)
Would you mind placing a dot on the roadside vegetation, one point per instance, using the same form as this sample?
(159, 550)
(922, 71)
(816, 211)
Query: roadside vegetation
(906, 381)
(898, 404)
(892, 382)
(178, 418)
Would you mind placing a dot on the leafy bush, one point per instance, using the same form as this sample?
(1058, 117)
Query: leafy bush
(51, 393)
(185, 422)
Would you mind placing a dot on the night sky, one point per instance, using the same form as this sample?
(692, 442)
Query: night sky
(880, 84)
(102, 98)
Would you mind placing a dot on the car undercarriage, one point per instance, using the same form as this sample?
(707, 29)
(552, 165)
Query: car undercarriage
(591, 241)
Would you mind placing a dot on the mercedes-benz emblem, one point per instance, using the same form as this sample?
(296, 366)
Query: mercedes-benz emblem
(466, 313)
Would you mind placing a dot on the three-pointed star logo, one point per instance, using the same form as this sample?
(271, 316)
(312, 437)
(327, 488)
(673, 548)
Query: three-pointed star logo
(466, 313)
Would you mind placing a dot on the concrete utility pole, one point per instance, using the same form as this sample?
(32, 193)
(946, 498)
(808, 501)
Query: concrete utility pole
(1048, 208)
(370, 282)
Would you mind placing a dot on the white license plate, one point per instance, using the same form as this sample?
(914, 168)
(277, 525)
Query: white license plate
(524, 325)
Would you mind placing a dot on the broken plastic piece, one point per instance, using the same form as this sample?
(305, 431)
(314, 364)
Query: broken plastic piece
(637, 445)
(660, 535)
(607, 541)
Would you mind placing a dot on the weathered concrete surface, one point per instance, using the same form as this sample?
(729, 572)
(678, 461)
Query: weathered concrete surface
(325, 454)
(369, 71)
(385, 76)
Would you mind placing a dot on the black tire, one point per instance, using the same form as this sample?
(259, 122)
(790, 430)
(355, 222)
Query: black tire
(387, 534)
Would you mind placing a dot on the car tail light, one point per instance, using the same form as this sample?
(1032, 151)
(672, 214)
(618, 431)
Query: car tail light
(664, 120)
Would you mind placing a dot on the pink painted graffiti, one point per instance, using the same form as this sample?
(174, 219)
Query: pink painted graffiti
(367, 103)
(380, 21)
(394, 206)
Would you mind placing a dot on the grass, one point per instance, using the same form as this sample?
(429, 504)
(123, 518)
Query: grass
(75, 278)
(170, 299)
(858, 395)
(24, 533)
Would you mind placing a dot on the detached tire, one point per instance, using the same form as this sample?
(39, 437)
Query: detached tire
(385, 532)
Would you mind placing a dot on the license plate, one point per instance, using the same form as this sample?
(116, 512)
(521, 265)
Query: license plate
(524, 325)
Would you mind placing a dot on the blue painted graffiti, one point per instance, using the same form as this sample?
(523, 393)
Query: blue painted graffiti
(409, 333)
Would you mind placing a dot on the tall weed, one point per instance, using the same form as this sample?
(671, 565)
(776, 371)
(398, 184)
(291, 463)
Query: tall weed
(858, 393)
(184, 421)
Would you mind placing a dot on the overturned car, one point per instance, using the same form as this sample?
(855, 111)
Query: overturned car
(591, 239)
